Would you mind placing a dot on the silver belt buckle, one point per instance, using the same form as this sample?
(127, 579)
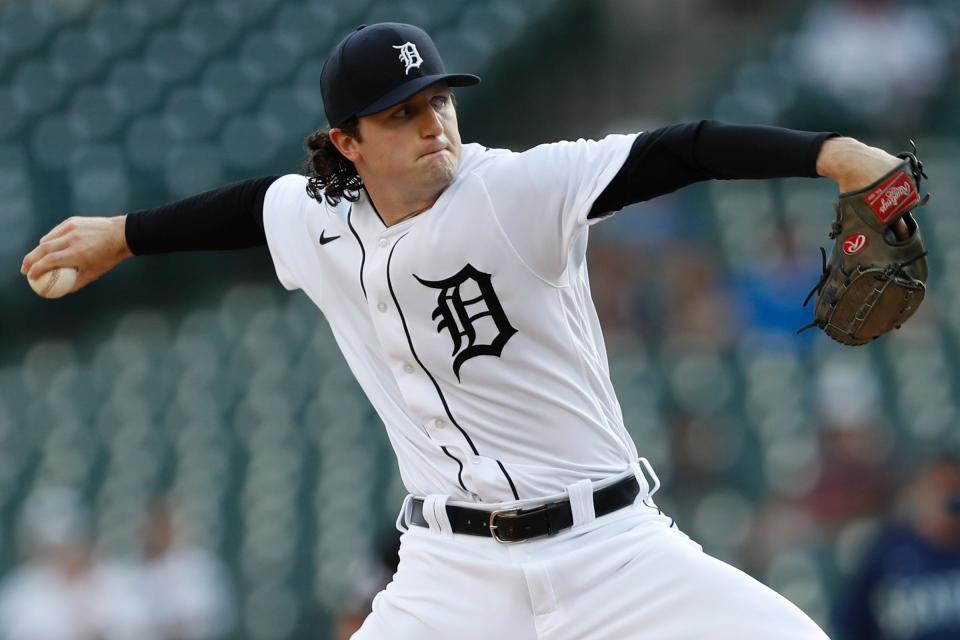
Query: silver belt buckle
(492, 524)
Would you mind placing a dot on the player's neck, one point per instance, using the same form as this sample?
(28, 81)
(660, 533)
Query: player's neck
(394, 208)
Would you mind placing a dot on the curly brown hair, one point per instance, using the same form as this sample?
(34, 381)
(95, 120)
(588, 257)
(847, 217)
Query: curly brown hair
(331, 176)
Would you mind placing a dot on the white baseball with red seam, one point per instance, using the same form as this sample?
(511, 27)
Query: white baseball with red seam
(55, 283)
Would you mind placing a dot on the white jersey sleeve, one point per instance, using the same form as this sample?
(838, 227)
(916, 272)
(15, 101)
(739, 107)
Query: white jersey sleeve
(541, 197)
(284, 209)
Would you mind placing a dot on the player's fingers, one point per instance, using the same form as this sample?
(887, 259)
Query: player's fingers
(31, 258)
(42, 247)
(49, 261)
(45, 247)
(64, 227)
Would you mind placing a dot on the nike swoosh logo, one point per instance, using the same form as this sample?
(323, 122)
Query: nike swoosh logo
(328, 239)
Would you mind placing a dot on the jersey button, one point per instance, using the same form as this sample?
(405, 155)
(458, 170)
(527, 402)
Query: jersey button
(381, 307)
(439, 424)
(383, 242)
(408, 368)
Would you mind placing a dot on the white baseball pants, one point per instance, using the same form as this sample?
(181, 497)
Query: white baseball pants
(623, 576)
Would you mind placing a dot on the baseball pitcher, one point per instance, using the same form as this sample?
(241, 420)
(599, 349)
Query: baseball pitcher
(454, 279)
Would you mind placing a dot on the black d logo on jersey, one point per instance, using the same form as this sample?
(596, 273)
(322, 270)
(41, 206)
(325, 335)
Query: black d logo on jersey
(459, 316)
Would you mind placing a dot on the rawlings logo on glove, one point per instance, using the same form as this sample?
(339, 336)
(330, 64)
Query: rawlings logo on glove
(874, 281)
(895, 195)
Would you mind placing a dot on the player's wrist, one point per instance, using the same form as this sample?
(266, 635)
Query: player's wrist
(122, 246)
(852, 164)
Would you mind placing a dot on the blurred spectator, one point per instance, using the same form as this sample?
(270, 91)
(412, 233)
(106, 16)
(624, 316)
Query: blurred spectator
(60, 593)
(908, 584)
(188, 588)
(698, 298)
(875, 62)
(854, 481)
(370, 577)
(614, 293)
(772, 289)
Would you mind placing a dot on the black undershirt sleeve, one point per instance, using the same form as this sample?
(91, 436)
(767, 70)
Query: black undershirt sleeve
(230, 217)
(663, 160)
(660, 161)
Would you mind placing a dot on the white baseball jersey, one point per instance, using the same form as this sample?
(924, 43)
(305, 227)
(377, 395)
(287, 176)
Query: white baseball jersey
(470, 327)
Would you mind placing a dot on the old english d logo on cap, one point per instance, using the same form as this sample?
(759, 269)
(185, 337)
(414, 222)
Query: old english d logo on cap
(409, 56)
(378, 66)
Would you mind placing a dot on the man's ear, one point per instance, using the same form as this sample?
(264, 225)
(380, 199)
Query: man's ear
(346, 144)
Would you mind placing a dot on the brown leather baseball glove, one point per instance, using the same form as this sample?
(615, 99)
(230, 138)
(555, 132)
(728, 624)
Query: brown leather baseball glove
(874, 281)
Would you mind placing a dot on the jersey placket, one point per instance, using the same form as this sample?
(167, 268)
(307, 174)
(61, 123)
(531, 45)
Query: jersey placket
(391, 323)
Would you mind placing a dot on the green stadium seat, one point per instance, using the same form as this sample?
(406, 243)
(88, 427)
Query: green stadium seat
(790, 462)
(171, 57)
(240, 303)
(800, 198)
(250, 141)
(199, 357)
(191, 169)
(299, 320)
(194, 400)
(17, 213)
(36, 87)
(93, 114)
(189, 116)
(116, 29)
(22, 28)
(349, 14)
(133, 87)
(463, 51)
(44, 360)
(210, 28)
(76, 56)
(98, 179)
(721, 521)
(155, 12)
(700, 380)
(292, 114)
(307, 27)
(230, 87)
(147, 142)
(269, 56)
(270, 611)
(262, 340)
(148, 326)
(69, 453)
(51, 139)
(798, 575)
(254, 12)
(409, 11)
(11, 117)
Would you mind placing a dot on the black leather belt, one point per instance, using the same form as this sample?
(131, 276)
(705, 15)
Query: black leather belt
(517, 525)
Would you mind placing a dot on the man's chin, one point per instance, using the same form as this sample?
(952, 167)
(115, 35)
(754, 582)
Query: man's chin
(442, 171)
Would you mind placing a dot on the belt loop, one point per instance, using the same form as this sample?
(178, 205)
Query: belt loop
(435, 513)
(404, 516)
(644, 465)
(581, 502)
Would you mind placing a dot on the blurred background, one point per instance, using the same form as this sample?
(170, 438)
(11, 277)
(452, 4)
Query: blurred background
(184, 454)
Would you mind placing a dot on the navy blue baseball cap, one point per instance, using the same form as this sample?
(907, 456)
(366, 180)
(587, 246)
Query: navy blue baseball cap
(379, 66)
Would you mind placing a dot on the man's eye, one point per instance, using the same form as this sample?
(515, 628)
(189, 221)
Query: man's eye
(400, 113)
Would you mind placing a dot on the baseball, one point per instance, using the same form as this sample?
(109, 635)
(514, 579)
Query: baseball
(55, 283)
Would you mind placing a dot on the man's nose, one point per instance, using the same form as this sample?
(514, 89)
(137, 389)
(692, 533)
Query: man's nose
(431, 124)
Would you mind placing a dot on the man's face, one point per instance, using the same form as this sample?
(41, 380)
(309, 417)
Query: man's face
(411, 147)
